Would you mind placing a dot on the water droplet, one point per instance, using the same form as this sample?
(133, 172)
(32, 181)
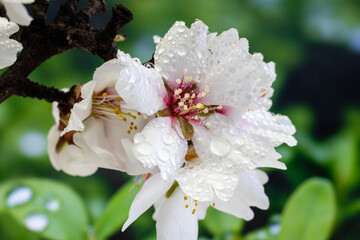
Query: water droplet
(274, 229)
(239, 141)
(138, 138)
(181, 50)
(168, 139)
(19, 196)
(161, 50)
(144, 148)
(220, 146)
(52, 204)
(181, 29)
(163, 154)
(36, 222)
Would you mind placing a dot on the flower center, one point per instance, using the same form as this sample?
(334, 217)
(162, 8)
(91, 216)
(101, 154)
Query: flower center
(112, 107)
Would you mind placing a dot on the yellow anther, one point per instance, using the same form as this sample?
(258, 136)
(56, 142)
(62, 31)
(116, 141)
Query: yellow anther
(138, 186)
(118, 99)
(193, 95)
(203, 94)
(219, 107)
(196, 117)
(178, 81)
(128, 192)
(131, 128)
(197, 79)
(199, 95)
(124, 119)
(193, 211)
(178, 91)
(139, 113)
(188, 79)
(105, 94)
(128, 131)
(185, 197)
(185, 70)
(196, 204)
(187, 205)
(186, 95)
(181, 104)
(207, 89)
(213, 204)
(135, 127)
(186, 107)
(208, 124)
(200, 105)
(206, 110)
(132, 123)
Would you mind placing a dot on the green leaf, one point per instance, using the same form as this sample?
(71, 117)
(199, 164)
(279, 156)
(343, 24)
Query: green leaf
(310, 212)
(219, 223)
(116, 212)
(54, 205)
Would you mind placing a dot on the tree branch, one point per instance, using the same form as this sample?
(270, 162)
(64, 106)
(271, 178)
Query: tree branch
(69, 30)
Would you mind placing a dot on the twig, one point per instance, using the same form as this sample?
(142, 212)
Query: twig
(69, 30)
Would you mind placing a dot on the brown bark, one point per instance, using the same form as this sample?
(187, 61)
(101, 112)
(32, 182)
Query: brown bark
(69, 30)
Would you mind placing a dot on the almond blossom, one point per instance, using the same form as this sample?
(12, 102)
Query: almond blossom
(210, 96)
(8, 47)
(17, 11)
(91, 135)
(213, 128)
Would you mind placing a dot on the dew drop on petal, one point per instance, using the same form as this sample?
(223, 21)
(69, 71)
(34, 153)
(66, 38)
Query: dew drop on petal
(36, 222)
(168, 139)
(138, 138)
(181, 50)
(163, 154)
(144, 148)
(220, 146)
(19, 196)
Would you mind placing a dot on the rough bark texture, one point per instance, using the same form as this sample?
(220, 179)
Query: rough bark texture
(69, 30)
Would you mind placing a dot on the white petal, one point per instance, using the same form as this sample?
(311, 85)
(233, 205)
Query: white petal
(154, 188)
(140, 87)
(81, 110)
(277, 129)
(95, 142)
(174, 221)
(261, 175)
(238, 80)
(159, 145)
(199, 180)
(133, 166)
(229, 146)
(55, 112)
(265, 103)
(182, 48)
(249, 192)
(89, 152)
(234, 207)
(17, 12)
(8, 47)
(52, 139)
(220, 46)
(75, 161)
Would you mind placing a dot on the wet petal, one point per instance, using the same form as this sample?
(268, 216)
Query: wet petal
(159, 145)
(8, 47)
(182, 48)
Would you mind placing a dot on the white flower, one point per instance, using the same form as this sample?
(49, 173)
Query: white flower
(176, 214)
(8, 47)
(17, 11)
(212, 100)
(95, 132)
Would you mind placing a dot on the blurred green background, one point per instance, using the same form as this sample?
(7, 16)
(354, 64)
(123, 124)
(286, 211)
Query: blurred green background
(316, 48)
